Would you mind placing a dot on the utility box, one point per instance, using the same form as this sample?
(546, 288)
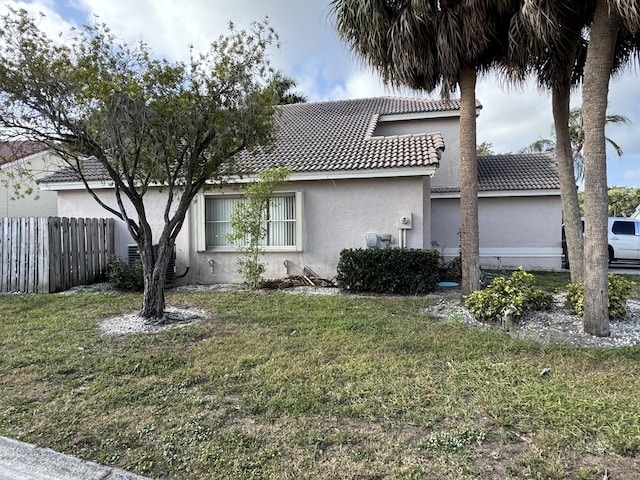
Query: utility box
(405, 221)
(372, 240)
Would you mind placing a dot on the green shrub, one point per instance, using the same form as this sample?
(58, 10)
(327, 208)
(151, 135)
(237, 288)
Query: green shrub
(490, 304)
(392, 270)
(619, 291)
(455, 268)
(123, 276)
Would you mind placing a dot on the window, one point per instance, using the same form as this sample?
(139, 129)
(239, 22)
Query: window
(624, 228)
(282, 221)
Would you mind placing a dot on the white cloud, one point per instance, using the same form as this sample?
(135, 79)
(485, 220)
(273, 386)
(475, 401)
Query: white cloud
(47, 18)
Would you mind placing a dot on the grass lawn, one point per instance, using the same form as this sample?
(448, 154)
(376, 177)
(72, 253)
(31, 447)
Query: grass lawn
(282, 386)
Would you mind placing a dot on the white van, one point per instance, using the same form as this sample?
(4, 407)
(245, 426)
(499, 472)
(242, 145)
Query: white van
(624, 240)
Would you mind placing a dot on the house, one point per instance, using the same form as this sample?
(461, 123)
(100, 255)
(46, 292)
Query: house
(365, 173)
(22, 163)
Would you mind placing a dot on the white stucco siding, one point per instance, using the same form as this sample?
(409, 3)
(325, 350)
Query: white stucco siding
(518, 231)
(335, 215)
(35, 204)
(79, 204)
(448, 173)
(514, 231)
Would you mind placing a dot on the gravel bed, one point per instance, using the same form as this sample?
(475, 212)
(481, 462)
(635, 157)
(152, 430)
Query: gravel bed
(557, 325)
(133, 323)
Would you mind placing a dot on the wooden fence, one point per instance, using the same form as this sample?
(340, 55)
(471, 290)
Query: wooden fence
(52, 254)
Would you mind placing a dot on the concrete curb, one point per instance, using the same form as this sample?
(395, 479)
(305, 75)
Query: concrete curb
(23, 461)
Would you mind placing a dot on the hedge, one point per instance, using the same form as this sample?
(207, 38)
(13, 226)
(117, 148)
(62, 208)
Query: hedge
(398, 271)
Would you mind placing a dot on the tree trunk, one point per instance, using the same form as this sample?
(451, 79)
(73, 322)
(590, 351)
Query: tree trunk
(469, 242)
(568, 190)
(600, 54)
(154, 271)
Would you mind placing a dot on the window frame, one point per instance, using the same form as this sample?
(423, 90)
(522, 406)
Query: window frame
(201, 238)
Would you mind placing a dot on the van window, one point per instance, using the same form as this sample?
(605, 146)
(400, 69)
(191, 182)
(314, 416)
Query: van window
(623, 228)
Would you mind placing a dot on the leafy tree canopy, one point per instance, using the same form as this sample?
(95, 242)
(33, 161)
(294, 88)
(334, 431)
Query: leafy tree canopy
(623, 201)
(146, 121)
(485, 148)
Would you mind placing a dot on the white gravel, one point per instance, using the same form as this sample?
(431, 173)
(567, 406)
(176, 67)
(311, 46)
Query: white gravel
(557, 325)
(133, 323)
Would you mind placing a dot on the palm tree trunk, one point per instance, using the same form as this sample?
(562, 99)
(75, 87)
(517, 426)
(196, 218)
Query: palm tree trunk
(469, 241)
(598, 67)
(568, 190)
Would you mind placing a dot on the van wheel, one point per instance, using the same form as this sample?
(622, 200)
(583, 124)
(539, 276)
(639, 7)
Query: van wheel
(611, 257)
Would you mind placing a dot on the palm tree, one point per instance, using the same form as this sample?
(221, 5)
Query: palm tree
(283, 86)
(573, 222)
(426, 44)
(613, 37)
(576, 133)
(546, 40)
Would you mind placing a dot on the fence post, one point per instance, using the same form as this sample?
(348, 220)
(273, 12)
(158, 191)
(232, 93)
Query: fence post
(5, 249)
(55, 253)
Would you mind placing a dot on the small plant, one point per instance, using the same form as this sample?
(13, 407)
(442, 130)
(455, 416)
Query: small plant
(249, 222)
(518, 293)
(123, 276)
(619, 290)
(454, 268)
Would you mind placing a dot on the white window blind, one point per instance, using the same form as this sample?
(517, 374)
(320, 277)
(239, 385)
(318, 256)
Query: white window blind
(281, 221)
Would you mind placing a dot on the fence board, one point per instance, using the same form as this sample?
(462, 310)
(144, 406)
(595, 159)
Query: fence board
(4, 251)
(42, 255)
(96, 248)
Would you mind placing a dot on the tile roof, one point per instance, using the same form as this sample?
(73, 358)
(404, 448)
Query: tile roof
(16, 150)
(335, 136)
(521, 171)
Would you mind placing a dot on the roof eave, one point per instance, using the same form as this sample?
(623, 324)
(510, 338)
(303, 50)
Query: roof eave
(538, 192)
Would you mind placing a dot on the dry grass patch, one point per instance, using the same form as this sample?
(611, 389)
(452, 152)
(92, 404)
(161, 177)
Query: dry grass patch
(289, 386)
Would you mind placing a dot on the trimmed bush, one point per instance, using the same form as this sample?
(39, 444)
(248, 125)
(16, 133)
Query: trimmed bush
(393, 270)
(123, 276)
(619, 291)
(490, 304)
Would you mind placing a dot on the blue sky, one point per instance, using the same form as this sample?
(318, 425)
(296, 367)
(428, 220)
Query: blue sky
(311, 53)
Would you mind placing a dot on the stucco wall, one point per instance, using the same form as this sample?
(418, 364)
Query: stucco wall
(514, 230)
(36, 204)
(336, 215)
(448, 173)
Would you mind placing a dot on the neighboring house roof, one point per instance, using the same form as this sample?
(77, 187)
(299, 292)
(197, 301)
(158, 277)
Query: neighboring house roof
(521, 171)
(336, 136)
(19, 149)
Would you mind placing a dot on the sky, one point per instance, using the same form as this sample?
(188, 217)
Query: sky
(312, 54)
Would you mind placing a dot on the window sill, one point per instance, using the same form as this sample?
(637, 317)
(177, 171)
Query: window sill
(237, 250)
